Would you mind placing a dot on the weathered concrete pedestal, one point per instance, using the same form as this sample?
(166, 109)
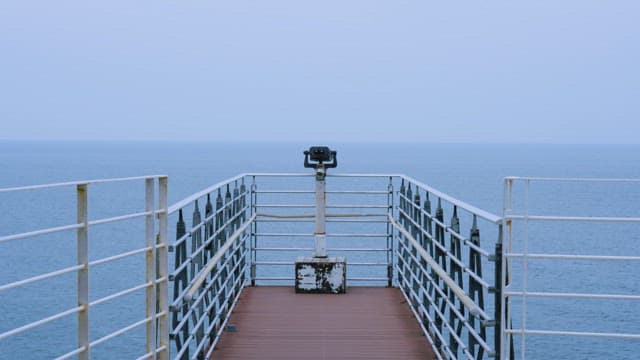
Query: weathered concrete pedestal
(321, 275)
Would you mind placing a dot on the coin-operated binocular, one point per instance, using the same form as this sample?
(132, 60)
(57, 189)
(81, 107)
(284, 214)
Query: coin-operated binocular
(320, 158)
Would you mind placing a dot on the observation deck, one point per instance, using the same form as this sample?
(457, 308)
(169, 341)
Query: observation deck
(216, 271)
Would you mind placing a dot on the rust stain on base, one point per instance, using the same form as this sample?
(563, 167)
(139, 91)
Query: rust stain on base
(366, 323)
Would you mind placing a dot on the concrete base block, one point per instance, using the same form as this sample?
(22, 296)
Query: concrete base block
(321, 275)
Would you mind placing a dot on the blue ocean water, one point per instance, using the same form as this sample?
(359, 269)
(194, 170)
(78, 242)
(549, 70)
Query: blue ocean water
(471, 172)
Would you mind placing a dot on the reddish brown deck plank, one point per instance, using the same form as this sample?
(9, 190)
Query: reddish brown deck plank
(366, 323)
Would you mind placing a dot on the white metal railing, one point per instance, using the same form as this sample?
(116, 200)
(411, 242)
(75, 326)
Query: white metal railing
(260, 222)
(356, 218)
(155, 251)
(518, 217)
(209, 275)
(448, 294)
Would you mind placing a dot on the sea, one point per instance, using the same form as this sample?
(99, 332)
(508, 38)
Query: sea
(473, 173)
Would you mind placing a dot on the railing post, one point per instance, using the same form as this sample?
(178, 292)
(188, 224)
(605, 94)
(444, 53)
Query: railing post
(150, 242)
(163, 267)
(476, 291)
(83, 273)
(498, 297)
(254, 230)
(197, 266)
(390, 233)
(243, 218)
(455, 272)
(180, 283)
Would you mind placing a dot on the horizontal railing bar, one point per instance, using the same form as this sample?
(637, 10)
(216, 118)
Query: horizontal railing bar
(40, 232)
(207, 288)
(367, 279)
(161, 349)
(378, 214)
(357, 192)
(309, 249)
(41, 277)
(573, 257)
(460, 204)
(287, 206)
(340, 192)
(460, 293)
(447, 229)
(471, 330)
(451, 257)
(328, 175)
(446, 299)
(299, 220)
(308, 206)
(283, 192)
(573, 333)
(120, 218)
(279, 263)
(573, 295)
(477, 248)
(222, 229)
(119, 256)
(285, 220)
(202, 275)
(275, 278)
(71, 353)
(41, 322)
(361, 175)
(291, 278)
(571, 179)
(80, 182)
(312, 235)
(347, 206)
(180, 297)
(312, 216)
(218, 230)
(435, 282)
(368, 264)
(283, 234)
(279, 174)
(121, 331)
(572, 218)
(119, 294)
(357, 221)
(193, 197)
(189, 260)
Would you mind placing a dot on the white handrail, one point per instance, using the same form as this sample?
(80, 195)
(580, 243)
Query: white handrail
(474, 309)
(202, 276)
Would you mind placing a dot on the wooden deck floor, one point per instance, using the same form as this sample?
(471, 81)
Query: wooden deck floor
(365, 323)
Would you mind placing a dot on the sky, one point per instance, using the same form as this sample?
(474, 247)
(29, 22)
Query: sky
(350, 70)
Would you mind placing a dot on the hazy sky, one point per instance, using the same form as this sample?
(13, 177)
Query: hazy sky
(348, 70)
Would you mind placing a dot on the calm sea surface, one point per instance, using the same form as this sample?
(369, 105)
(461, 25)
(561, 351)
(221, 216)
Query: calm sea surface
(472, 173)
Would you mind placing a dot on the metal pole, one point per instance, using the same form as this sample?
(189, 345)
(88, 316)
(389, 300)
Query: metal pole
(390, 233)
(254, 230)
(320, 238)
(83, 273)
(150, 267)
(499, 308)
(163, 265)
